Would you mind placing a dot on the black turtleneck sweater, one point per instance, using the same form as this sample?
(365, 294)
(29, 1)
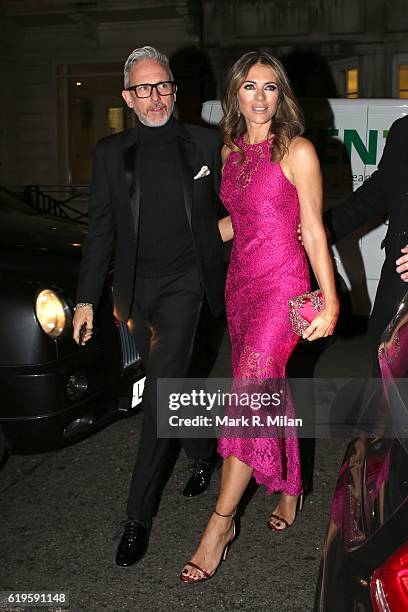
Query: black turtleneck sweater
(165, 240)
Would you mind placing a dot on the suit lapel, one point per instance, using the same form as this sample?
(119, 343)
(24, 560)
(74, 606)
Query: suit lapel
(188, 153)
(130, 157)
(188, 158)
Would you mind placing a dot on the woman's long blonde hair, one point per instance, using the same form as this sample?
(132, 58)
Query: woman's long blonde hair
(288, 119)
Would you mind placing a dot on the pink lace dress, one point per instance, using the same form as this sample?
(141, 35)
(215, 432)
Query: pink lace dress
(267, 267)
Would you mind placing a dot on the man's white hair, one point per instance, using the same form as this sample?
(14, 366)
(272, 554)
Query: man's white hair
(144, 53)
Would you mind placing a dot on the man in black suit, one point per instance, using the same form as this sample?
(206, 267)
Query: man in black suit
(154, 206)
(385, 193)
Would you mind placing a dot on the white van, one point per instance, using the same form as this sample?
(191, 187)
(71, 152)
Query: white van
(349, 136)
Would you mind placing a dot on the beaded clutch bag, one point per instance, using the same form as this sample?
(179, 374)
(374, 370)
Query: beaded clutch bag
(304, 308)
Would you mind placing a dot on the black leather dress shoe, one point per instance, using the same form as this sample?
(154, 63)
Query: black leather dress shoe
(200, 478)
(133, 544)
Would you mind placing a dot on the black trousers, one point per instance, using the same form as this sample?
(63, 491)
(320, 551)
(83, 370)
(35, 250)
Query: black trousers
(164, 317)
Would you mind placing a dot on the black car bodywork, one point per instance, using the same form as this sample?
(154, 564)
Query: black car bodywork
(365, 559)
(52, 390)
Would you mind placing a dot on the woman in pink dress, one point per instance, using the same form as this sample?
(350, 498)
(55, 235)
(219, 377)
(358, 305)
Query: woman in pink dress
(271, 181)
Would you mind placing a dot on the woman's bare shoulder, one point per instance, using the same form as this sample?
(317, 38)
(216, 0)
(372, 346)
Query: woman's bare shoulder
(301, 158)
(300, 146)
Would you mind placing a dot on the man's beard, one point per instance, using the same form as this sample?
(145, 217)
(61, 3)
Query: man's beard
(145, 120)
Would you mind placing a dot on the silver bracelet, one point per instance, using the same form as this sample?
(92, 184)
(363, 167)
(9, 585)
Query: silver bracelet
(82, 305)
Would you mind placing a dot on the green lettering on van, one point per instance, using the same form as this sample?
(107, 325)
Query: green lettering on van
(367, 155)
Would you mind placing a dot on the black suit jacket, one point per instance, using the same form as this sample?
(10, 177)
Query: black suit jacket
(384, 193)
(114, 216)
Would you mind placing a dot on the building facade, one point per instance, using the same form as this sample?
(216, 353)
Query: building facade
(364, 43)
(61, 64)
(61, 69)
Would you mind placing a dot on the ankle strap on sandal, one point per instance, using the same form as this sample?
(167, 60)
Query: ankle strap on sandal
(225, 515)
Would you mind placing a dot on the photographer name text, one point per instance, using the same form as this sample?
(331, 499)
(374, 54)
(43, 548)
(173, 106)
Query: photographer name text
(243, 421)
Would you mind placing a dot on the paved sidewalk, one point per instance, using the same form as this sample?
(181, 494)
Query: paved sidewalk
(59, 513)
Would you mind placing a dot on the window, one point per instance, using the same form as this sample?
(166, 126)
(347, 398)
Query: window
(403, 81)
(400, 75)
(116, 120)
(351, 78)
(345, 73)
(90, 106)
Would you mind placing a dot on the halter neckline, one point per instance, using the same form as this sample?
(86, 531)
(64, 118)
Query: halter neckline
(267, 141)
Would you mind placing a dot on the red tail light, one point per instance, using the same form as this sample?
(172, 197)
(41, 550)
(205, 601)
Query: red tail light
(389, 584)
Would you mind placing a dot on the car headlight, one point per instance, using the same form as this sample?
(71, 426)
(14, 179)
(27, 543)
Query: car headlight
(52, 313)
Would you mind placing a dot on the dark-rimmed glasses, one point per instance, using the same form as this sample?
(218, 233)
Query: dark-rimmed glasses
(144, 90)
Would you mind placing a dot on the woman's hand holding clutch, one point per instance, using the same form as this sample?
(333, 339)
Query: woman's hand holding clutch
(324, 323)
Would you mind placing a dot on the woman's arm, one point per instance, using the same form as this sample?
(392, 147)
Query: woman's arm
(304, 168)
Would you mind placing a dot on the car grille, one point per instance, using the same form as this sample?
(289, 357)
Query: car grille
(129, 351)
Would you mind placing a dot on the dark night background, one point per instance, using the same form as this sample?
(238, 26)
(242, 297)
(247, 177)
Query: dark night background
(61, 69)
(61, 64)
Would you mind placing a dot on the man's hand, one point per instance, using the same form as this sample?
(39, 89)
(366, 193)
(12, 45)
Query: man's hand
(83, 315)
(402, 264)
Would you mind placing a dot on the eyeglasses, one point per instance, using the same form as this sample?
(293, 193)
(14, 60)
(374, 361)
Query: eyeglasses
(144, 90)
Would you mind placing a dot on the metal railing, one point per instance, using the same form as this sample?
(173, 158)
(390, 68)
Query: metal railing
(63, 201)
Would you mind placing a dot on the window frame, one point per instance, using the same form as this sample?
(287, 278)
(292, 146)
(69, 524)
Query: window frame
(339, 70)
(399, 59)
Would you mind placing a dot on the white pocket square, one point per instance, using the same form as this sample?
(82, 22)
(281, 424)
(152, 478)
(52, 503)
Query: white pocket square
(203, 172)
